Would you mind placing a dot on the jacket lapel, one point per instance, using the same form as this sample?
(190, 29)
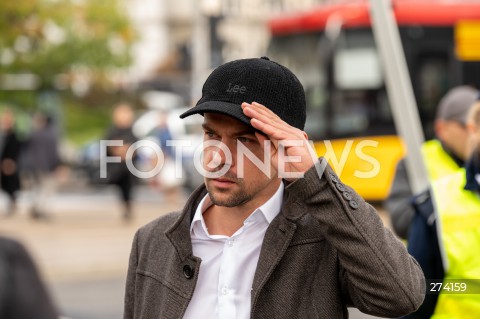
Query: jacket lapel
(277, 239)
(183, 273)
(179, 233)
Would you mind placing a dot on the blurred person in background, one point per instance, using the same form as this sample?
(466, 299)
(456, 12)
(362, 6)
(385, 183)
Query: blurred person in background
(457, 199)
(9, 160)
(162, 134)
(118, 174)
(166, 180)
(444, 155)
(23, 294)
(41, 160)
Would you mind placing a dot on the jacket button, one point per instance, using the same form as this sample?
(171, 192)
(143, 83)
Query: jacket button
(347, 195)
(340, 187)
(333, 178)
(353, 204)
(188, 271)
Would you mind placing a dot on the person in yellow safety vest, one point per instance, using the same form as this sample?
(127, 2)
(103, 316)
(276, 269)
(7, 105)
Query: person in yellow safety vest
(458, 203)
(439, 161)
(443, 156)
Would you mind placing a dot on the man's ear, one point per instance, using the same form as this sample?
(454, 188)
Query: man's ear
(471, 128)
(439, 127)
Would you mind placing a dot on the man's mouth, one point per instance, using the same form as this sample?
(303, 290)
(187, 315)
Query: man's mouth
(222, 182)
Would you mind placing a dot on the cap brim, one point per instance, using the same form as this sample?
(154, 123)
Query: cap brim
(230, 109)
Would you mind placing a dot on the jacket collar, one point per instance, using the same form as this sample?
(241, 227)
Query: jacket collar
(276, 241)
(277, 237)
(179, 232)
(472, 171)
(454, 157)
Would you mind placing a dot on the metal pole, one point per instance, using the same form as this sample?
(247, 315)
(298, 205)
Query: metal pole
(200, 51)
(400, 90)
(402, 100)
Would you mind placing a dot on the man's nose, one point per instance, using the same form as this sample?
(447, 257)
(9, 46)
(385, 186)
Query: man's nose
(219, 156)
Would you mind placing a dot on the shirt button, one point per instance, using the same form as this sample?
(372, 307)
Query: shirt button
(224, 291)
(188, 271)
(340, 187)
(230, 243)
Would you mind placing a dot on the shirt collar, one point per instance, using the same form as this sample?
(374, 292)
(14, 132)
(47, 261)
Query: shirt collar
(201, 208)
(272, 206)
(269, 209)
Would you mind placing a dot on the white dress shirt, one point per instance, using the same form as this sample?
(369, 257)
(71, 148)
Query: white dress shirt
(223, 289)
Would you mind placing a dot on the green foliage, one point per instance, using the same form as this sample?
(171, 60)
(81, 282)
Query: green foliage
(52, 37)
(85, 124)
(25, 100)
(64, 39)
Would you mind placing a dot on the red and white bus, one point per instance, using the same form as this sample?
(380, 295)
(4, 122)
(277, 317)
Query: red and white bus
(332, 49)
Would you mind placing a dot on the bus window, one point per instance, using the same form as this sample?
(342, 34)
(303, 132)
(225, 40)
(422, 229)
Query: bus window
(433, 78)
(350, 115)
(300, 54)
(357, 68)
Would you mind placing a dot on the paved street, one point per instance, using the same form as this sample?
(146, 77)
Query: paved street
(82, 249)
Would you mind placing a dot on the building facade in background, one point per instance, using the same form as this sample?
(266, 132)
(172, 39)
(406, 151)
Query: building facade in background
(180, 41)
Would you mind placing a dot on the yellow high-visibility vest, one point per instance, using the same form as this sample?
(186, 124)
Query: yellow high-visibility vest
(459, 212)
(437, 161)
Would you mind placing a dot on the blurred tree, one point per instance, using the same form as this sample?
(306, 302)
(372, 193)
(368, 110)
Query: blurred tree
(64, 43)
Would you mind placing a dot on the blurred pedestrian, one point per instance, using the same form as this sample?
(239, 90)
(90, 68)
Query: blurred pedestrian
(118, 174)
(42, 163)
(9, 160)
(23, 294)
(166, 180)
(254, 243)
(442, 156)
(162, 134)
(457, 198)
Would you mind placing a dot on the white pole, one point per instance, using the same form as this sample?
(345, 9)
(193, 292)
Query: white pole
(400, 90)
(200, 51)
(402, 100)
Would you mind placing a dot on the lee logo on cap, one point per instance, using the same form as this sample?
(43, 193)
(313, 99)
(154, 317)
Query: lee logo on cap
(236, 88)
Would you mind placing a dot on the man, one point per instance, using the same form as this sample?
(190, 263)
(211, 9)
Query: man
(118, 173)
(9, 160)
(249, 244)
(458, 204)
(42, 163)
(443, 156)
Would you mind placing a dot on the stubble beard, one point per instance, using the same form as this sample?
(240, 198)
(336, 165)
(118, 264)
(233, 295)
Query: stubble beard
(234, 199)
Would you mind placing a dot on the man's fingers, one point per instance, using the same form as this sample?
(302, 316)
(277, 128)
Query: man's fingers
(273, 132)
(262, 138)
(271, 125)
(261, 110)
(269, 120)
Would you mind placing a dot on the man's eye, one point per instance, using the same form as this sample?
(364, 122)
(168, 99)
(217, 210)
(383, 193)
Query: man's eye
(209, 134)
(243, 139)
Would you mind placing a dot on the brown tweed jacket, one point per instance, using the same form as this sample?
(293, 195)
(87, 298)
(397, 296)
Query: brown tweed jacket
(326, 250)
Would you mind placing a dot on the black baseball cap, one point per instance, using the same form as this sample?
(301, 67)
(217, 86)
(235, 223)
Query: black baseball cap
(253, 80)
